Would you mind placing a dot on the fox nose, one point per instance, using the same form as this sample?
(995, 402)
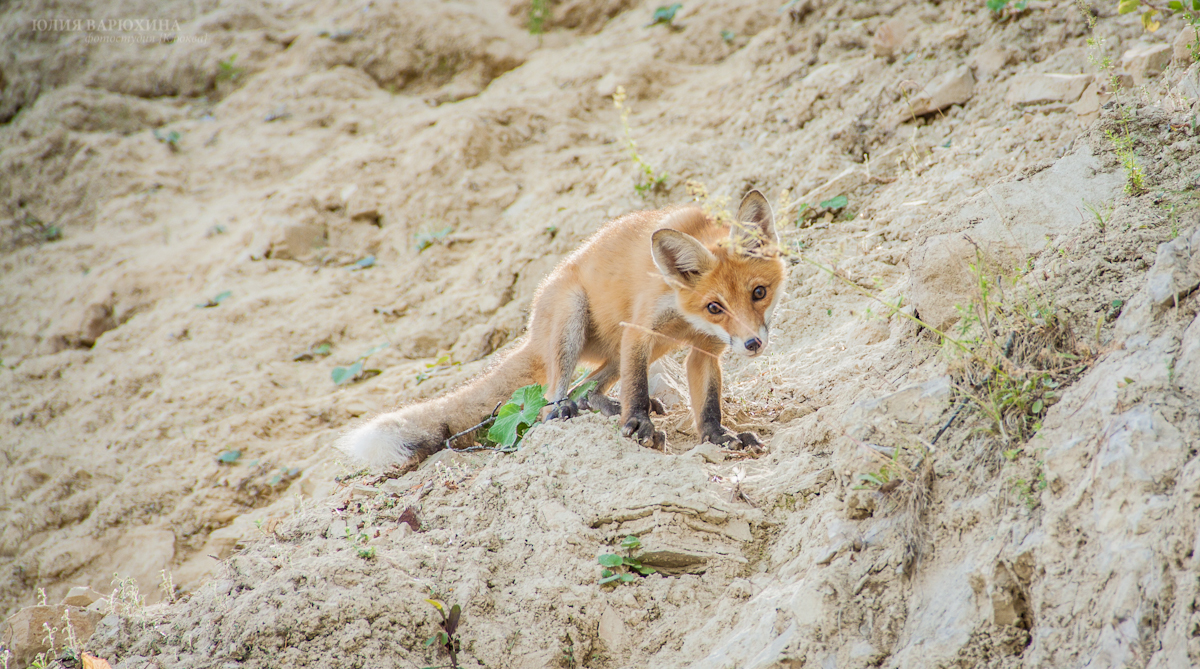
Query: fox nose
(753, 344)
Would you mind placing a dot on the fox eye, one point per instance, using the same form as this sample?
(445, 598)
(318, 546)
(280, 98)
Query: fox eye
(714, 308)
(759, 293)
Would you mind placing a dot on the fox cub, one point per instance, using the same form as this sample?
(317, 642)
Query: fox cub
(644, 285)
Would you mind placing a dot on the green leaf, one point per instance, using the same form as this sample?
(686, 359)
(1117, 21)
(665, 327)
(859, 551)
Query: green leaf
(229, 457)
(605, 573)
(1037, 406)
(582, 390)
(611, 560)
(345, 374)
(996, 5)
(373, 350)
(631, 543)
(727, 35)
(870, 478)
(835, 202)
(504, 430)
(369, 261)
(274, 480)
(1148, 21)
(322, 349)
(627, 578)
(1175, 5)
(610, 578)
(644, 570)
(665, 14)
(430, 640)
(1128, 6)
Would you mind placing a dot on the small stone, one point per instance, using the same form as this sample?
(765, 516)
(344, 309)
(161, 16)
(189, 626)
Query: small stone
(24, 632)
(949, 88)
(991, 59)
(1147, 62)
(1089, 104)
(81, 596)
(612, 630)
(97, 319)
(1186, 43)
(1038, 88)
(890, 38)
(708, 452)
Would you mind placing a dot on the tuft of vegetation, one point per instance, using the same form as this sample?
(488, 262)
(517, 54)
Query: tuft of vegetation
(647, 181)
(1122, 141)
(539, 11)
(623, 568)
(443, 364)
(171, 138)
(1021, 352)
(359, 543)
(447, 637)
(357, 371)
(228, 71)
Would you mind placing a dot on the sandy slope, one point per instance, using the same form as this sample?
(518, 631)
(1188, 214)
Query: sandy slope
(342, 131)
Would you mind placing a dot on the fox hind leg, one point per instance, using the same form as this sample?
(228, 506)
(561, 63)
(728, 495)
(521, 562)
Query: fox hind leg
(569, 334)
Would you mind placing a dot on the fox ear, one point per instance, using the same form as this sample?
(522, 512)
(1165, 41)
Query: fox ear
(755, 224)
(679, 256)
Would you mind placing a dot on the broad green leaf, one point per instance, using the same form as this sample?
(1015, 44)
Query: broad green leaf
(229, 457)
(631, 543)
(609, 579)
(322, 349)
(344, 374)
(429, 641)
(1128, 6)
(1037, 406)
(644, 570)
(835, 202)
(1175, 6)
(504, 430)
(611, 560)
(627, 578)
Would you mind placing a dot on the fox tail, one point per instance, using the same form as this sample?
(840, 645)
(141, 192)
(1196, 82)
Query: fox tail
(409, 435)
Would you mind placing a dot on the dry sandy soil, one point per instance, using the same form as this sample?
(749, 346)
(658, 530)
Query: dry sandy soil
(263, 149)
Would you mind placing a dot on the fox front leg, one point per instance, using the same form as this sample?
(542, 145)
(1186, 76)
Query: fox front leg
(635, 392)
(704, 385)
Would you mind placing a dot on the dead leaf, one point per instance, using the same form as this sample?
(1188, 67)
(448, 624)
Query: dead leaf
(92, 662)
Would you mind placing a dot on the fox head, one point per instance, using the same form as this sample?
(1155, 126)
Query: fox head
(729, 289)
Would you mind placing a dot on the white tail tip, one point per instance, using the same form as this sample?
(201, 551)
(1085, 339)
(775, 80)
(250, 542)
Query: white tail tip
(385, 440)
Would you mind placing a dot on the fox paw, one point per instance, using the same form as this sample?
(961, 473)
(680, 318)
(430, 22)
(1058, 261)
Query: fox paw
(566, 410)
(612, 408)
(642, 430)
(723, 436)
